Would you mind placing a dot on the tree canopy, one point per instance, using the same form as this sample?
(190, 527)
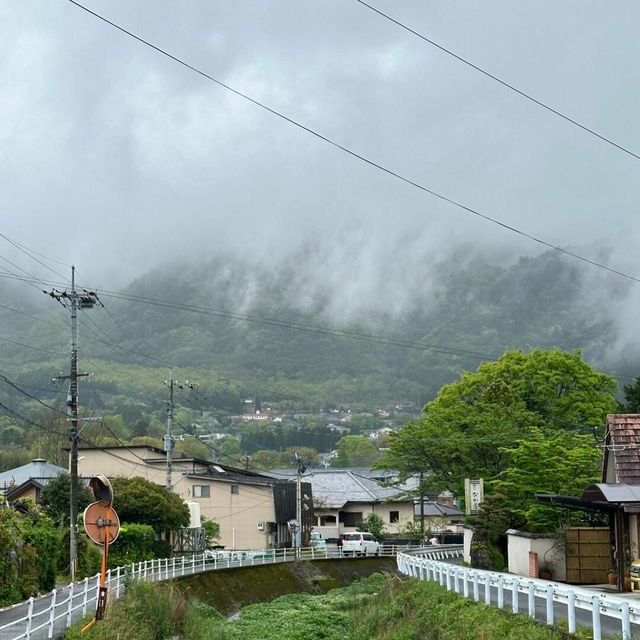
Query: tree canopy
(139, 501)
(501, 422)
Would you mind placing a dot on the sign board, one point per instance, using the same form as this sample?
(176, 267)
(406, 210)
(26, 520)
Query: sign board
(473, 494)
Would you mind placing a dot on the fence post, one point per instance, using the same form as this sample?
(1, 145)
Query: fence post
(70, 605)
(476, 592)
(514, 594)
(52, 615)
(173, 567)
(465, 576)
(117, 583)
(85, 596)
(549, 604)
(571, 611)
(626, 624)
(597, 631)
(29, 616)
(532, 600)
(487, 588)
(500, 591)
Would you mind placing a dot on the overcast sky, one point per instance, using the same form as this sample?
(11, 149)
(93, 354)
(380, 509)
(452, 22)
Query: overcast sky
(116, 158)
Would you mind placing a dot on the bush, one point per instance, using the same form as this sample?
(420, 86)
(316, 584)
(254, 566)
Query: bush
(135, 543)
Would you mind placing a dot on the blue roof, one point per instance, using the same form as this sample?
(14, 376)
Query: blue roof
(38, 468)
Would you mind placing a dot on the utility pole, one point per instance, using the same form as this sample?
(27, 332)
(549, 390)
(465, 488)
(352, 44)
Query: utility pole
(421, 507)
(169, 443)
(300, 469)
(76, 300)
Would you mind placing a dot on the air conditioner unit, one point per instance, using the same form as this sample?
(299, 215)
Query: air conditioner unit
(261, 526)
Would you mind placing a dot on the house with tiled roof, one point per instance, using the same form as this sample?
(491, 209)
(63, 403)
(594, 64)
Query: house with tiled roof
(343, 498)
(28, 480)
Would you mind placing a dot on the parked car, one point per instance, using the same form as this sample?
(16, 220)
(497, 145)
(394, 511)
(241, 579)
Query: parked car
(317, 541)
(360, 543)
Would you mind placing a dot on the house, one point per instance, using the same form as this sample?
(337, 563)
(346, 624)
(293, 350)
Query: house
(343, 498)
(439, 517)
(28, 480)
(253, 510)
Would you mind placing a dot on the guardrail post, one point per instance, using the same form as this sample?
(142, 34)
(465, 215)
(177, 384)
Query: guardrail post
(532, 600)
(626, 623)
(27, 634)
(595, 613)
(514, 594)
(476, 592)
(500, 591)
(465, 576)
(85, 595)
(70, 606)
(448, 575)
(52, 614)
(487, 588)
(571, 611)
(549, 604)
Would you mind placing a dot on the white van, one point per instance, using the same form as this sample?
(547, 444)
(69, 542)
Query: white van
(360, 543)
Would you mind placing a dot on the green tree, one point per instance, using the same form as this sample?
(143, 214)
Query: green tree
(632, 397)
(374, 524)
(465, 430)
(560, 463)
(54, 498)
(139, 501)
(355, 451)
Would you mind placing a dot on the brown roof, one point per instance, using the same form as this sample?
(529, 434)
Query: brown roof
(622, 447)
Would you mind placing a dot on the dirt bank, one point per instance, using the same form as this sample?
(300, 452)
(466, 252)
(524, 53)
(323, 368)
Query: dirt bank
(230, 589)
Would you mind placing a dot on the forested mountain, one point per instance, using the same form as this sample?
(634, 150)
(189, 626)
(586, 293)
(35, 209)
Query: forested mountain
(273, 334)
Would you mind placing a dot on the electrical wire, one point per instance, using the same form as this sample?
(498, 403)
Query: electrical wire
(495, 78)
(29, 253)
(376, 165)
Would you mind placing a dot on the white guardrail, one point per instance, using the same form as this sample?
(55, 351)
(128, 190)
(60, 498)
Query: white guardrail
(427, 564)
(49, 615)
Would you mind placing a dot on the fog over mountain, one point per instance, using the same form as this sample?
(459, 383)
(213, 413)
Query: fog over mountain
(119, 160)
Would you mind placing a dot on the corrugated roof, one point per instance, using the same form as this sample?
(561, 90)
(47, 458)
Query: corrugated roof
(434, 509)
(622, 447)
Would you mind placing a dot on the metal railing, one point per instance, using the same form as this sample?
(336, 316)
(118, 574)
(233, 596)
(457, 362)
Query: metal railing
(470, 582)
(48, 616)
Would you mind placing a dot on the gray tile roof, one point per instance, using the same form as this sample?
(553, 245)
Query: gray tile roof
(333, 488)
(37, 468)
(433, 509)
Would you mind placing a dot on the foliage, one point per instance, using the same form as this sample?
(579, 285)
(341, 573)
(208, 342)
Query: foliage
(374, 524)
(29, 545)
(211, 532)
(376, 608)
(412, 609)
(355, 451)
(554, 463)
(463, 432)
(139, 501)
(54, 498)
(135, 543)
(632, 397)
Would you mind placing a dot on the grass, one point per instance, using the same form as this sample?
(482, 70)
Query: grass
(380, 607)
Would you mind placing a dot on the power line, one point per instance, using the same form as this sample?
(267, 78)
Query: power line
(355, 154)
(495, 78)
(29, 253)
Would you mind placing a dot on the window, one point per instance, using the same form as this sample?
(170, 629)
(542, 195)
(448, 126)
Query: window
(327, 520)
(394, 516)
(235, 488)
(351, 519)
(201, 491)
